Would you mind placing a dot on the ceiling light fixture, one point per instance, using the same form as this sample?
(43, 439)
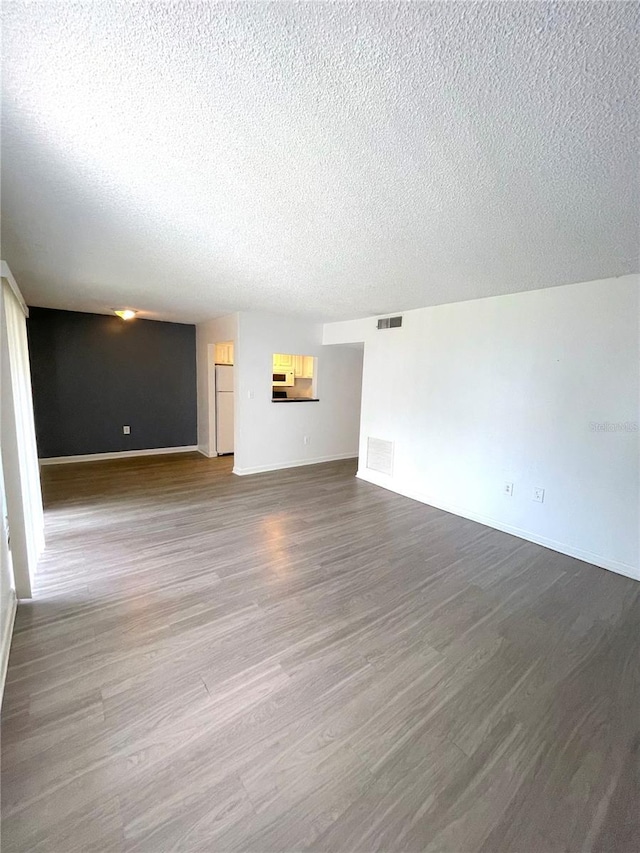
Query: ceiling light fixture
(126, 314)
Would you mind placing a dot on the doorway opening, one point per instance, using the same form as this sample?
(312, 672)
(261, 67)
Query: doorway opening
(221, 398)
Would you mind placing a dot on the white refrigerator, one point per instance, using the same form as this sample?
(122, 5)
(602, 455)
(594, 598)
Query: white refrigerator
(224, 408)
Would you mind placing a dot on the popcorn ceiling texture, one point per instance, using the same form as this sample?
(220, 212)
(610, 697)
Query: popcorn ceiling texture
(327, 159)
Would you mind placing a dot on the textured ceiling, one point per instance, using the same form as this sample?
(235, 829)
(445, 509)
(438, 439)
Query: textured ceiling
(328, 159)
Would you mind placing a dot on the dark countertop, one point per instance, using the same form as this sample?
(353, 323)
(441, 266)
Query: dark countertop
(295, 400)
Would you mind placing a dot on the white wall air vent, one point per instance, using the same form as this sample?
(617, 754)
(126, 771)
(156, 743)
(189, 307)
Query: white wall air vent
(390, 323)
(380, 455)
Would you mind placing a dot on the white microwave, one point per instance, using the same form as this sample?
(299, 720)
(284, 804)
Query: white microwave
(284, 379)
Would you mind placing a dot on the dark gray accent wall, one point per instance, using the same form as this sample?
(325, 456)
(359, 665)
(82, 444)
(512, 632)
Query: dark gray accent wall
(92, 374)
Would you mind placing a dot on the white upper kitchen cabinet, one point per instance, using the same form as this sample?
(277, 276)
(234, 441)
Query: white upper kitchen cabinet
(283, 362)
(300, 365)
(307, 367)
(224, 353)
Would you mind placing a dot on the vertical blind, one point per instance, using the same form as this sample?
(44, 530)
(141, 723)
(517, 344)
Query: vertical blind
(17, 354)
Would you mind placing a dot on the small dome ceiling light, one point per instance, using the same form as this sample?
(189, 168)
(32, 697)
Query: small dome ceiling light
(126, 314)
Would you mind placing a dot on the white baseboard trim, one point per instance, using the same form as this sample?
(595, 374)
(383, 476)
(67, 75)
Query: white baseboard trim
(205, 452)
(120, 454)
(562, 548)
(5, 641)
(298, 463)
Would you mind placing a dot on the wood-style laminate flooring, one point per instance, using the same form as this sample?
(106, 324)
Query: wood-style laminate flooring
(300, 660)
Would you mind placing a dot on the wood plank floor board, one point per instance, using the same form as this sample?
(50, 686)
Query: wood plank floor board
(188, 818)
(300, 660)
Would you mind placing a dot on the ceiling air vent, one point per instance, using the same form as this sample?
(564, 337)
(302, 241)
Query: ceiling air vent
(390, 323)
(380, 455)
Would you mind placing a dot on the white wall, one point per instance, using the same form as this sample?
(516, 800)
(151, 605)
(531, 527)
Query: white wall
(220, 330)
(507, 389)
(271, 435)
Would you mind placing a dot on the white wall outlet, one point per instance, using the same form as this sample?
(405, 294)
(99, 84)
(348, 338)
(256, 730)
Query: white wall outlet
(307, 439)
(250, 395)
(126, 430)
(538, 495)
(508, 489)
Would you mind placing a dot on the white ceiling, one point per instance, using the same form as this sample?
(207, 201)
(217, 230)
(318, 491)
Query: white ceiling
(334, 160)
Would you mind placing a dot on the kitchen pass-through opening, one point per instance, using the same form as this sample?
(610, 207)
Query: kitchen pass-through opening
(294, 378)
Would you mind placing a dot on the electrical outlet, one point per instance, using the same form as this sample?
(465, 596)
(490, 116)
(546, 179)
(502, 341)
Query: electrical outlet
(126, 430)
(538, 495)
(508, 489)
(307, 439)
(250, 395)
